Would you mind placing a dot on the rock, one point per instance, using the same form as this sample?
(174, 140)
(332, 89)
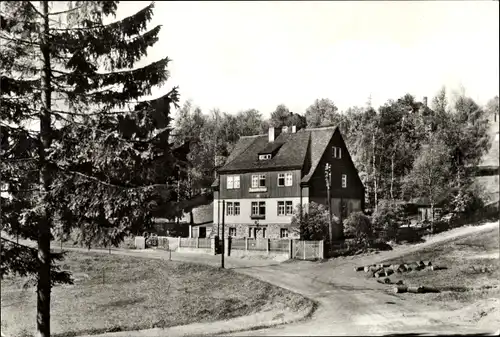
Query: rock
(358, 268)
(400, 282)
(427, 263)
(389, 272)
(387, 280)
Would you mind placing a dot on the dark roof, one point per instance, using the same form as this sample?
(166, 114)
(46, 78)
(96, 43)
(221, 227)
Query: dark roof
(271, 148)
(291, 151)
(201, 215)
(245, 156)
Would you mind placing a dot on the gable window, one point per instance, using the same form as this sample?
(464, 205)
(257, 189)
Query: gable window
(230, 209)
(236, 208)
(344, 180)
(336, 152)
(233, 182)
(283, 233)
(264, 156)
(258, 180)
(258, 209)
(232, 231)
(288, 179)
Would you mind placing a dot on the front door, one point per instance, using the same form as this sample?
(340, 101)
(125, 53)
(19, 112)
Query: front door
(202, 232)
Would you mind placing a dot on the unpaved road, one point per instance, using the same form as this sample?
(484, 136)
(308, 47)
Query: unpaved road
(349, 304)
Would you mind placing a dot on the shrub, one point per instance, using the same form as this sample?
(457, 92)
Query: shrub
(315, 222)
(360, 227)
(387, 219)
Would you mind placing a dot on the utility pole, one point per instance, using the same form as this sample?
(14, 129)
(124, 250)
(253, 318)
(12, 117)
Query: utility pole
(223, 240)
(328, 180)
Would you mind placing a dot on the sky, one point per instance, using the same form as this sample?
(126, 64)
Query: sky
(258, 54)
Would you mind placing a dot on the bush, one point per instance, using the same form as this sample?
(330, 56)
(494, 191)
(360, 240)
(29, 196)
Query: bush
(315, 222)
(360, 227)
(388, 219)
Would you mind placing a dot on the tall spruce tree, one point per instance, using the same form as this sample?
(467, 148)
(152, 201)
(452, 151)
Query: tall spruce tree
(80, 146)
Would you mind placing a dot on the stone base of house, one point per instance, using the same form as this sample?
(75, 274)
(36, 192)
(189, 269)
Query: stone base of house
(240, 231)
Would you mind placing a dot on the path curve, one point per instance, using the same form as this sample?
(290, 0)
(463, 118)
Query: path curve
(348, 304)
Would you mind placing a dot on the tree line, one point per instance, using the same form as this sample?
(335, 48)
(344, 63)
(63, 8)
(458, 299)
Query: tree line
(404, 149)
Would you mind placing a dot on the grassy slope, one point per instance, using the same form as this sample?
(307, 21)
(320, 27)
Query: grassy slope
(113, 292)
(463, 282)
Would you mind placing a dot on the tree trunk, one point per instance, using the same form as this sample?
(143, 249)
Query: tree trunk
(44, 282)
(374, 173)
(432, 217)
(392, 177)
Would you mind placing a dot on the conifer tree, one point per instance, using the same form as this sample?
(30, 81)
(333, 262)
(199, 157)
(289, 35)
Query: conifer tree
(80, 145)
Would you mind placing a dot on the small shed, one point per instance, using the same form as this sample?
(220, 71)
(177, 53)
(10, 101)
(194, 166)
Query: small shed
(200, 226)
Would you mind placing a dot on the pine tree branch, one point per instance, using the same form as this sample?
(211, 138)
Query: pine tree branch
(66, 11)
(144, 13)
(18, 244)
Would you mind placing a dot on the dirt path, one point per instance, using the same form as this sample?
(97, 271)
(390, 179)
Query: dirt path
(349, 304)
(353, 305)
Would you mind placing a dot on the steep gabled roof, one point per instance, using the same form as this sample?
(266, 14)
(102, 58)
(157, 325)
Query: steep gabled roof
(245, 156)
(320, 138)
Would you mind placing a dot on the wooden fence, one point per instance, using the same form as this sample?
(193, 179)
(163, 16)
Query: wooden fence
(307, 250)
(295, 249)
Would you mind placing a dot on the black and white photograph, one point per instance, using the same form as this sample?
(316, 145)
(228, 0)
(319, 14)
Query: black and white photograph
(249, 168)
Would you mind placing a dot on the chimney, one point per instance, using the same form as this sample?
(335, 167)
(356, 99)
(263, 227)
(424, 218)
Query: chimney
(273, 133)
(284, 129)
(294, 128)
(425, 101)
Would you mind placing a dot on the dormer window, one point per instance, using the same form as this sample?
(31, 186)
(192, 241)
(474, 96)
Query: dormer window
(264, 156)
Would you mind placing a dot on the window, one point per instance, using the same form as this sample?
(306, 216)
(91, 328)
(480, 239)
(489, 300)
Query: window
(283, 233)
(263, 232)
(233, 182)
(236, 208)
(281, 208)
(344, 180)
(285, 179)
(264, 156)
(258, 208)
(229, 210)
(285, 208)
(281, 179)
(258, 180)
(336, 152)
(232, 231)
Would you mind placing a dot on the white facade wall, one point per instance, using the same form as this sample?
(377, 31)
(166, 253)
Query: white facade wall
(272, 216)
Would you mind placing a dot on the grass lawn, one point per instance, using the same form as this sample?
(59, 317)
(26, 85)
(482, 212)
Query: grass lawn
(113, 292)
(472, 275)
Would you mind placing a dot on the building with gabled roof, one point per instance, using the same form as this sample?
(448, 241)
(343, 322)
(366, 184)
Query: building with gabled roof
(267, 176)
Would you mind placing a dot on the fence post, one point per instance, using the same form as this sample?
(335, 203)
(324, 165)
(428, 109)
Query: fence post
(290, 249)
(304, 249)
(179, 242)
(198, 242)
(246, 244)
(268, 246)
(322, 249)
